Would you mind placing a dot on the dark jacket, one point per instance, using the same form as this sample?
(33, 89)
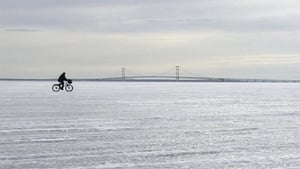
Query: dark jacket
(62, 77)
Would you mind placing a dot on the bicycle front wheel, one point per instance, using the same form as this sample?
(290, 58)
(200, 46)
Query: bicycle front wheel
(69, 88)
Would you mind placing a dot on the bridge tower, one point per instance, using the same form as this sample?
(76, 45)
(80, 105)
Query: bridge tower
(123, 73)
(177, 72)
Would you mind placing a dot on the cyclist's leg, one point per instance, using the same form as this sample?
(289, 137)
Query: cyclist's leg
(61, 85)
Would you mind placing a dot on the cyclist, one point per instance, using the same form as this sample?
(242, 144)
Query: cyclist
(61, 80)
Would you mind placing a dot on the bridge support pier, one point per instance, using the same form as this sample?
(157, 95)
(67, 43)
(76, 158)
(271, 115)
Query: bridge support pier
(177, 72)
(123, 73)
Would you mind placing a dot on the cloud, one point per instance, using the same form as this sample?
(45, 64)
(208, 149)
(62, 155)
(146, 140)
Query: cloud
(21, 30)
(132, 15)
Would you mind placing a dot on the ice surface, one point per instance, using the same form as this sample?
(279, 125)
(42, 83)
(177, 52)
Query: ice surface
(150, 125)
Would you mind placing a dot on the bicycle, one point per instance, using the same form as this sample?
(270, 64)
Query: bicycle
(68, 87)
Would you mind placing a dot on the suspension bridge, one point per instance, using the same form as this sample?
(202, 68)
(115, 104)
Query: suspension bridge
(178, 76)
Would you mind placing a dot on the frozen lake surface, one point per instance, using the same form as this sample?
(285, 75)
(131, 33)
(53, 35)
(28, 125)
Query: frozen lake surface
(150, 126)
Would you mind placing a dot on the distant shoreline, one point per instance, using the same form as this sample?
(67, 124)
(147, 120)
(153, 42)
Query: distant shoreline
(164, 80)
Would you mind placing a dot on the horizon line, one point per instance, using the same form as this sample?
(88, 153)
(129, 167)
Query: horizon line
(158, 79)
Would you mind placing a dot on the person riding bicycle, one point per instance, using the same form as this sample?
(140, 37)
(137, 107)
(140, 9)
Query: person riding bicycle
(61, 80)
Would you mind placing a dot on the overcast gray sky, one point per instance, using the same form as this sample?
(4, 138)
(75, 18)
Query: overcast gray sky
(94, 38)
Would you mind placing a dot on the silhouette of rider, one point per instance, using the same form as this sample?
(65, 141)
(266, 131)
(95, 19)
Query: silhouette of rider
(61, 80)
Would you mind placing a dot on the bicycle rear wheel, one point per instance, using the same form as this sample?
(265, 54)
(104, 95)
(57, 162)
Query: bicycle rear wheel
(56, 88)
